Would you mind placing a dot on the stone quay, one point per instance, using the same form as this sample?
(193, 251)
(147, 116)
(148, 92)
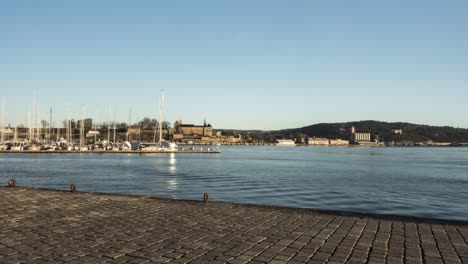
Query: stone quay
(47, 226)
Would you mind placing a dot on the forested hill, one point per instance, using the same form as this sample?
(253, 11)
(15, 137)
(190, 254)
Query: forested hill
(383, 130)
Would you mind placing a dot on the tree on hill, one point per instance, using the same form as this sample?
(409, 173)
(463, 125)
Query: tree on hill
(411, 132)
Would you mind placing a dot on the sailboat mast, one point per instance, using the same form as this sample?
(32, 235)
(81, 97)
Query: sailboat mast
(33, 117)
(50, 121)
(3, 120)
(67, 127)
(38, 124)
(70, 132)
(129, 123)
(114, 128)
(81, 123)
(155, 127)
(15, 135)
(95, 129)
(108, 126)
(29, 126)
(82, 127)
(95, 132)
(58, 130)
(161, 99)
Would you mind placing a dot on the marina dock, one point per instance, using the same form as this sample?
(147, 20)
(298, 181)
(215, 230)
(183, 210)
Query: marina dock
(46, 226)
(109, 151)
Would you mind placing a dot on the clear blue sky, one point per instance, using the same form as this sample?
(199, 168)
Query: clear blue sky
(239, 64)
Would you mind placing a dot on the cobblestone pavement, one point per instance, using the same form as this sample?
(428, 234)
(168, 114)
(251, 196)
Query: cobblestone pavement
(40, 226)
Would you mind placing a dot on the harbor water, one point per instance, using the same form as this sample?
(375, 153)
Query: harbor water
(421, 182)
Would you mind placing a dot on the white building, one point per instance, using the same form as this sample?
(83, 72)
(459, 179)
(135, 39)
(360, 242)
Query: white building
(318, 142)
(359, 137)
(339, 142)
(285, 142)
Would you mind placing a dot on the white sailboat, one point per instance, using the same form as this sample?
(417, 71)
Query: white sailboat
(115, 145)
(162, 145)
(83, 146)
(18, 145)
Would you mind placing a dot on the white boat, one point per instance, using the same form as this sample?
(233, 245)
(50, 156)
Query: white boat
(115, 147)
(6, 146)
(163, 145)
(99, 145)
(84, 148)
(285, 142)
(126, 146)
(129, 146)
(48, 147)
(106, 145)
(20, 146)
(150, 148)
(35, 147)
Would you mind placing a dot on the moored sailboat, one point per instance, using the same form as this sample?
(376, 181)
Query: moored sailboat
(162, 145)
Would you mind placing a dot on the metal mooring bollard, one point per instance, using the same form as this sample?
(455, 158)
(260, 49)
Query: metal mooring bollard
(11, 183)
(205, 197)
(73, 188)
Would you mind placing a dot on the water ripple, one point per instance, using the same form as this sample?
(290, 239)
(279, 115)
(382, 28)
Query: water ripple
(424, 182)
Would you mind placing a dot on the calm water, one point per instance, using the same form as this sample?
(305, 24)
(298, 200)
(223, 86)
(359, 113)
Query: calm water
(424, 182)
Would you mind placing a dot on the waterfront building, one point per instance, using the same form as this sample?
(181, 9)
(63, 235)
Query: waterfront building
(88, 123)
(7, 130)
(204, 130)
(228, 137)
(7, 133)
(301, 138)
(92, 133)
(339, 142)
(359, 137)
(70, 123)
(133, 133)
(234, 139)
(318, 141)
(202, 134)
(285, 142)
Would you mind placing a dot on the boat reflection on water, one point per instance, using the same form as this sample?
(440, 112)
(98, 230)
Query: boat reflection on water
(172, 164)
(172, 182)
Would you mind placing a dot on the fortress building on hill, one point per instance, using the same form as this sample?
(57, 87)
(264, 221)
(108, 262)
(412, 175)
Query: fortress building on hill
(205, 130)
(203, 134)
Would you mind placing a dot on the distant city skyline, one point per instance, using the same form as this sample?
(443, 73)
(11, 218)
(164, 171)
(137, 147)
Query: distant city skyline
(240, 65)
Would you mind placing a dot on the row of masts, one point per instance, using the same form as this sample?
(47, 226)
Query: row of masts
(34, 125)
(35, 129)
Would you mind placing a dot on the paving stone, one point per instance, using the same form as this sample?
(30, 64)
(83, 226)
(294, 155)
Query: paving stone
(43, 226)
